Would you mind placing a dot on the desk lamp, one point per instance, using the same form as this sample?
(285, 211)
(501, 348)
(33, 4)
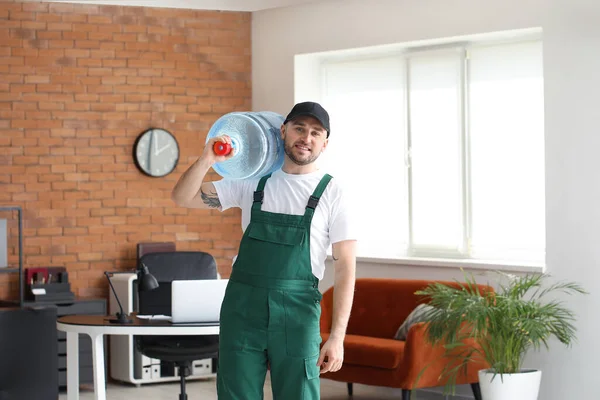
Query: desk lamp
(147, 282)
(122, 318)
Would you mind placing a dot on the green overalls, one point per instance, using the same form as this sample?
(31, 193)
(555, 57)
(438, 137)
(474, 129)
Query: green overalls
(271, 309)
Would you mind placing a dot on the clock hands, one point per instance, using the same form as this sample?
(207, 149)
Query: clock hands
(158, 151)
(152, 139)
(155, 140)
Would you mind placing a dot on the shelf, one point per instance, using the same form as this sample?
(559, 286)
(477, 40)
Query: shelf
(20, 269)
(9, 303)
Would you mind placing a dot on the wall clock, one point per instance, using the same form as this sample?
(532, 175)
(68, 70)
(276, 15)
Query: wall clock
(156, 152)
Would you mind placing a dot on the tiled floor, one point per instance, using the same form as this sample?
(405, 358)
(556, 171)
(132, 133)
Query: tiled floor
(205, 390)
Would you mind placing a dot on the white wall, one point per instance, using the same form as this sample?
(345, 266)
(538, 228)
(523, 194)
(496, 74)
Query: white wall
(279, 34)
(571, 68)
(572, 75)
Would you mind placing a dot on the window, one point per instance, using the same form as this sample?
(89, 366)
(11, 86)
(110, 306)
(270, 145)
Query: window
(442, 150)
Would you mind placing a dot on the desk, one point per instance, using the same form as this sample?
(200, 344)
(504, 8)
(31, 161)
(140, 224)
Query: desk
(96, 326)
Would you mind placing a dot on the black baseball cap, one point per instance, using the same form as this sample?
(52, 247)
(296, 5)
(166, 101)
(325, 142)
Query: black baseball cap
(310, 109)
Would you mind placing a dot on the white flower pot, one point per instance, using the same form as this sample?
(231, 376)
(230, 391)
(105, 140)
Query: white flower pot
(524, 385)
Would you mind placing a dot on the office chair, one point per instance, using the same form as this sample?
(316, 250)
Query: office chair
(178, 350)
(144, 248)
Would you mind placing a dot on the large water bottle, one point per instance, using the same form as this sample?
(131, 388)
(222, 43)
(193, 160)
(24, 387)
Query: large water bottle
(256, 138)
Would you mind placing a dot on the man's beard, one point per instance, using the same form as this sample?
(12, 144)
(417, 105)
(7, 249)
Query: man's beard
(289, 150)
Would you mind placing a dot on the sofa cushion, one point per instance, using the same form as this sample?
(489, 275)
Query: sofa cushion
(417, 315)
(370, 351)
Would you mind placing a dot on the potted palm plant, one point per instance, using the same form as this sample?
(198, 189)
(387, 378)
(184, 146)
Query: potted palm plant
(505, 324)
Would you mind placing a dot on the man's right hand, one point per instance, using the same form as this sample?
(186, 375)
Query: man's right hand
(191, 190)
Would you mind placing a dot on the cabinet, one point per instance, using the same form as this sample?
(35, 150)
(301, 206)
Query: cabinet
(79, 306)
(127, 364)
(27, 353)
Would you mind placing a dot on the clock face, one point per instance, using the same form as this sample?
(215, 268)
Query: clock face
(156, 152)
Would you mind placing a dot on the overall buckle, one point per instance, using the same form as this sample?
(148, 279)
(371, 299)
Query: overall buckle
(312, 202)
(259, 196)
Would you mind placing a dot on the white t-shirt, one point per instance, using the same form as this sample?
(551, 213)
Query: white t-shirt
(288, 194)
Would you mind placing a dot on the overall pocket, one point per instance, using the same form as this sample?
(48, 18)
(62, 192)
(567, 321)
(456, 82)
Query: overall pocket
(278, 234)
(232, 319)
(311, 385)
(311, 368)
(302, 324)
(273, 250)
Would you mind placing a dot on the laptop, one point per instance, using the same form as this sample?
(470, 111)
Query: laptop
(197, 301)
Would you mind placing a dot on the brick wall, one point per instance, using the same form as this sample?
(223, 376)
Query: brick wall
(78, 84)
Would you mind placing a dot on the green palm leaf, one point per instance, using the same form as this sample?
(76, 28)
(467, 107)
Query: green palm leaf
(505, 324)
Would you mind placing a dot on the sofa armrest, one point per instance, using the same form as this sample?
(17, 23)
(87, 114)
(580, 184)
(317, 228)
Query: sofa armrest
(425, 365)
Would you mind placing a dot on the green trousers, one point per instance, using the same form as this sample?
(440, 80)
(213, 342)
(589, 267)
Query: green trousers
(271, 310)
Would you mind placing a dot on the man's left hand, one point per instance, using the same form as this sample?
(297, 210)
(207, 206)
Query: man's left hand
(332, 355)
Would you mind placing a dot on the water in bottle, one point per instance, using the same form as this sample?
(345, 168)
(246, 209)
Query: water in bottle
(256, 139)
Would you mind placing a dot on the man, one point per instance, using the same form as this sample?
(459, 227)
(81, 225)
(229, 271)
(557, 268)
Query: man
(270, 314)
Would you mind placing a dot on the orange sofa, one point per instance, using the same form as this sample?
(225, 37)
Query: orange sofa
(371, 354)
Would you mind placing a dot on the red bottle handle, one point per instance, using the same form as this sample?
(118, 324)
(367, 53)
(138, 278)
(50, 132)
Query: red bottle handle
(221, 149)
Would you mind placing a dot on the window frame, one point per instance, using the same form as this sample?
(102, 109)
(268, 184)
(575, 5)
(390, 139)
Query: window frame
(437, 256)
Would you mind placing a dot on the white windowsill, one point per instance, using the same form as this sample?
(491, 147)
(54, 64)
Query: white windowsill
(453, 263)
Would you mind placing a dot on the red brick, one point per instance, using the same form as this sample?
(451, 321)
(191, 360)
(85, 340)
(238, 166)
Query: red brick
(80, 36)
(114, 63)
(45, 35)
(128, 211)
(87, 44)
(50, 231)
(39, 260)
(77, 53)
(64, 186)
(111, 46)
(125, 37)
(36, 7)
(26, 15)
(75, 17)
(37, 151)
(89, 256)
(99, 19)
(50, 106)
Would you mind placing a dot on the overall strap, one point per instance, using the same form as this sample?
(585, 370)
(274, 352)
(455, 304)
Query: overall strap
(316, 196)
(259, 193)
